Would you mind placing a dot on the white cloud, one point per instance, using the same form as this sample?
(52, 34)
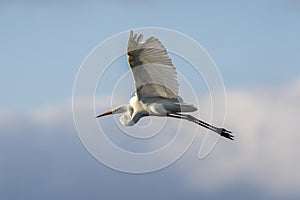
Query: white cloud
(265, 154)
(266, 150)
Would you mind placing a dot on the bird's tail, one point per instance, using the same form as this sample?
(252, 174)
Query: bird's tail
(180, 107)
(187, 108)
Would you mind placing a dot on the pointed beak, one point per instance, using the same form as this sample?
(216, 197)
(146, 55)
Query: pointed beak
(103, 114)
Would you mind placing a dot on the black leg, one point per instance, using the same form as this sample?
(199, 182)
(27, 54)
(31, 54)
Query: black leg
(221, 131)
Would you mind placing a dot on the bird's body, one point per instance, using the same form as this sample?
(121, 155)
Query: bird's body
(156, 84)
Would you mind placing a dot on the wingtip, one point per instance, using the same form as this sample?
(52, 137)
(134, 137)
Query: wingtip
(131, 34)
(140, 38)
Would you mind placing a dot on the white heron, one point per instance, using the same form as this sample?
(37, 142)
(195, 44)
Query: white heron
(155, 80)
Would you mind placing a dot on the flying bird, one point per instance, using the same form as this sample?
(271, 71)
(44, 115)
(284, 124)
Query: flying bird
(156, 86)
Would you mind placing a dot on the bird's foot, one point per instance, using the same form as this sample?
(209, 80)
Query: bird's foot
(223, 132)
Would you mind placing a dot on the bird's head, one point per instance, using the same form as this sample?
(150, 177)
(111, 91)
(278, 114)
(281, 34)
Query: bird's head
(119, 109)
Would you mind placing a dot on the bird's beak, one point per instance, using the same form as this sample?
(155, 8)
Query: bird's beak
(106, 113)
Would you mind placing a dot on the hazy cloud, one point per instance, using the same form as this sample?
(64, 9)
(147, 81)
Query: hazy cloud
(265, 152)
(41, 155)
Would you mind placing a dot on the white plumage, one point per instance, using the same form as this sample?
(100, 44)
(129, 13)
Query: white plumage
(156, 84)
(153, 71)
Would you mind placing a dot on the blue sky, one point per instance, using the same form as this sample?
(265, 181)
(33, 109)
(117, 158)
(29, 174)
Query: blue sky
(255, 45)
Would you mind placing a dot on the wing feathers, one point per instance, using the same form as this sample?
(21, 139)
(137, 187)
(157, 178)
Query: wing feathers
(153, 71)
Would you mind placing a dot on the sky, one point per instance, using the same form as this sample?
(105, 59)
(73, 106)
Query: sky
(255, 45)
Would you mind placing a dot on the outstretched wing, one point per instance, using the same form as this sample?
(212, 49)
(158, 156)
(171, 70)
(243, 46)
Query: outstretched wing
(153, 71)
